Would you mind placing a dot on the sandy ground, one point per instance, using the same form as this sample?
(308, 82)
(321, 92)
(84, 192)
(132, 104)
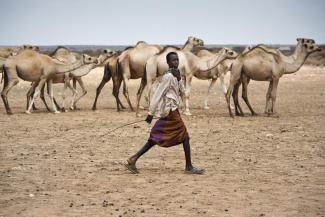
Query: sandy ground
(69, 165)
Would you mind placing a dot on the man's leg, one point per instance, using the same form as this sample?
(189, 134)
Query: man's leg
(133, 159)
(188, 166)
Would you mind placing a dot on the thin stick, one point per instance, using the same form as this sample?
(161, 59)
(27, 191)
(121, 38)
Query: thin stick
(124, 125)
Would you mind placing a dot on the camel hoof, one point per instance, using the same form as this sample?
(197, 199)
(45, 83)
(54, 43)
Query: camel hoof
(28, 112)
(138, 115)
(93, 108)
(141, 107)
(9, 113)
(57, 112)
(188, 113)
(206, 107)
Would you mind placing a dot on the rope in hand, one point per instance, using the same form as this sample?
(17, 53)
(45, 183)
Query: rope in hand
(124, 125)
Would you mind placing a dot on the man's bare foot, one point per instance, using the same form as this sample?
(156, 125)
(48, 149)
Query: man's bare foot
(131, 167)
(194, 170)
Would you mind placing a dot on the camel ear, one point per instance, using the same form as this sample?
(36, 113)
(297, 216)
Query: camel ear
(306, 46)
(83, 56)
(303, 40)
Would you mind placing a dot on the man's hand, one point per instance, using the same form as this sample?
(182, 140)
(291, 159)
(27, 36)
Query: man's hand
(149, 119)
(176, 74)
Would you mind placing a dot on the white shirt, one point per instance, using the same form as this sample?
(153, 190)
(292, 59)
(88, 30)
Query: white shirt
(166, 97)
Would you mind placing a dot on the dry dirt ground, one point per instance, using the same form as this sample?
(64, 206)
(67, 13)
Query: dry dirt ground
(69, 165)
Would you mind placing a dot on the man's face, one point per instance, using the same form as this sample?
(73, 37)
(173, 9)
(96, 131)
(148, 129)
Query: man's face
(173, 61)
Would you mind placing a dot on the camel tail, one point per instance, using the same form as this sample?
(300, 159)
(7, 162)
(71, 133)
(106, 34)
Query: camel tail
(4, 76)
(144, 77)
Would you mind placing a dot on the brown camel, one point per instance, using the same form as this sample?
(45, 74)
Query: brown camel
(156, 66)
(111, 71)
(266, 64)
(32, 66)
(131, 63)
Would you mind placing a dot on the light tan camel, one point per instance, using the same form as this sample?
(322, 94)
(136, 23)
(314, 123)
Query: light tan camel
(13, 51)
(76, 75)
(156, 66)
(266, 64)
(131, 64)
(35, 67)
(218, 72)
(191, 65)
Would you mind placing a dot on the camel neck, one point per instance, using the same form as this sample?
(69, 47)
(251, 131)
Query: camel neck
(292, 67)
(187, 46)
(62, 68)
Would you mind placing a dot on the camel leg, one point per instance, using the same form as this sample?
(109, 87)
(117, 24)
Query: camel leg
(83, 88)
(274, 92)
(117, 81)
(223, 86)
(36, 94)
(268, 97)
(50, 88)
(273, 95)
(234, 79)
(206, 101)
(74, 94)
(43, 98)
(64, 96)
(30, 94)
(139, 93)
(6, 88)
(187, 95)
(245, 81)
(126, 91)
(105, 79)
(238, 109)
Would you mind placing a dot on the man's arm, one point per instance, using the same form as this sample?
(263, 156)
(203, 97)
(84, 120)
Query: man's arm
(181, 87)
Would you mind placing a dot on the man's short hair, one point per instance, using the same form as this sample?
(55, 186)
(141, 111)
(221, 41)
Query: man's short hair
(169, 55)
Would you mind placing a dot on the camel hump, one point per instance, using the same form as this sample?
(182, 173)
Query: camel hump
(141, 42)
(265, 49)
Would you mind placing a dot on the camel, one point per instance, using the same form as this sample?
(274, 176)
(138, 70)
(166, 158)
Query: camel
(131, 64)
(265, 64)
(32, 66)
(191, 65)
(9, 51)
(156, 65)
(219, 72)
(111, 71)
(66, 56)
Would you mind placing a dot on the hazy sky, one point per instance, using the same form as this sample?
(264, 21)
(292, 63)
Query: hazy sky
(124, 22)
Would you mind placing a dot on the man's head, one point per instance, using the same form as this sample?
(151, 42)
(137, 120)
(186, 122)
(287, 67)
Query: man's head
(172, 60)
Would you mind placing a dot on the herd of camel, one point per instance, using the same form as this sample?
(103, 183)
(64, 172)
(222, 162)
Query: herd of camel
(148, 62)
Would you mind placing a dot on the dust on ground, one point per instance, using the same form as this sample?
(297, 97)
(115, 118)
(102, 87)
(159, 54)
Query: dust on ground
(69, 165)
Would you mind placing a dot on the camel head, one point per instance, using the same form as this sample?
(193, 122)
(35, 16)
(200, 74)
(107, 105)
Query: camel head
(311, 48)
(107, 53)
(89, 59)
(227, 53)
(306, 40)
(195, 41)
(308, 45)
(30, 47)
